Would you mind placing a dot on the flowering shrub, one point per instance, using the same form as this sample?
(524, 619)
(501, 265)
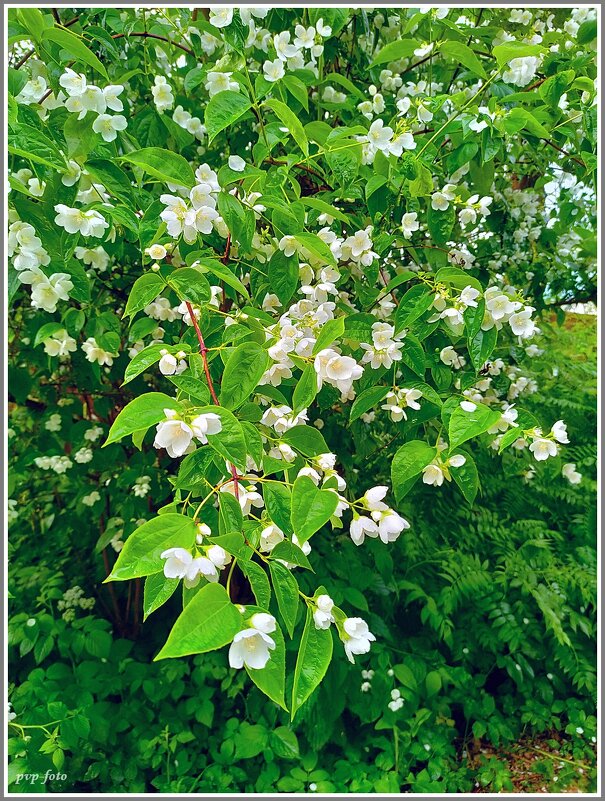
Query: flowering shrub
(250, 250)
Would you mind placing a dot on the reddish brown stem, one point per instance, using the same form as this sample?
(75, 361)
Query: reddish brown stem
(203, 352)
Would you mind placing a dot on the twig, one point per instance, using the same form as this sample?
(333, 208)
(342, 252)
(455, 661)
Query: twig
(203, 352)
(564, 152)
(147, 35)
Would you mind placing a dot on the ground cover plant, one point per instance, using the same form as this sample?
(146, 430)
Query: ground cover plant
(302, 440)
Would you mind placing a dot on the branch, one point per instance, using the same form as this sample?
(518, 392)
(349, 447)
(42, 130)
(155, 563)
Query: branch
(147, 35)
(564, 152)
(203, 352)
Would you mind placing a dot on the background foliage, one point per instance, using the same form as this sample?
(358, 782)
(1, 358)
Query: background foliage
(484, 615)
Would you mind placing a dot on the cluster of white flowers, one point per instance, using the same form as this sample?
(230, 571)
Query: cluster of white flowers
(199, 216)
(383, 522)
(400, 399)
(190, 123)
(521, 71)
(25, 248)
(176, 436)
(141, 486)
(59, 464)
(98, 258)
(83, 97)
(385, 348)
(172, 364)
(207, 562)
(162, 94)
(396, 701)
(93, 434)
(570, 473)
(60, 344)
(291, 55)
(76, 221)
(53, 423)
(367, 676)
(500, 309)
(73, 599)
(542, 447)
(90, 499)
(83, 455)
(11, 513)
(438, 470)
(251, 646)
(94, 353)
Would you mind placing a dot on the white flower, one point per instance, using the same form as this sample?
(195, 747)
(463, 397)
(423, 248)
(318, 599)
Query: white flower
(390, 525)
(91, 499)
(270, 536)
(218, 556)
(46, 292)
(162, 94)
(221, 17)
(542, 448)
(251, 646)
(457, 460)
(156, 252)
(83, 455)
(170, 365)
(379, 135)
(274, 70)
(87, 223)
(205, 424)
(338, 370)
(360, 527)
(559, 432)
(179, 564)
(322, 616)
(521, 70)
(571, 474)
(357, 637)
(220, 82)
(108, 125)
(409, 223)
(111, 94)
(247, 496)
(449, 356)
(323, 30)
(59, 344)
(53, 423)
(468, 406)
(74, 83)
(236, 163)
(432, 474)
(521, 323)
(173, 434)
(469, 296)
(96, 354)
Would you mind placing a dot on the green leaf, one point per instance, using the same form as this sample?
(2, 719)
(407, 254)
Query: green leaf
(467, 478)
(258, 582)
(144, 290)
(306, 389)
(283, 275)
(325, 208)
(412, 306)
(140, 555)
(222, 110)
(311, 507)
(473, 318)
(245, 367)
(278, 503)
(401, 48)
(463, 54)
(193, 468)
(230, 513)
(422, 184)
(291, 121)
(141, 412)
(113, 178)
(441, 224)
(225, 274)
(190, 284)
(158, 589)
(413, 354)
(306, 439)
(366, 400)
(587, 32)
(271, 679)
(32, 144)
(285, 587)
(290, 553)
(505, 53)
(209, 621)
(284, 742)
(314, 656)
(329, 332)
(162, 164)
(142, 361)
(195, 388)
(433, 683)
(75, 47)
(481, 346)
(230, 442)
(518, 119)
(317, 248)
(408, 462)
(463, 424)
